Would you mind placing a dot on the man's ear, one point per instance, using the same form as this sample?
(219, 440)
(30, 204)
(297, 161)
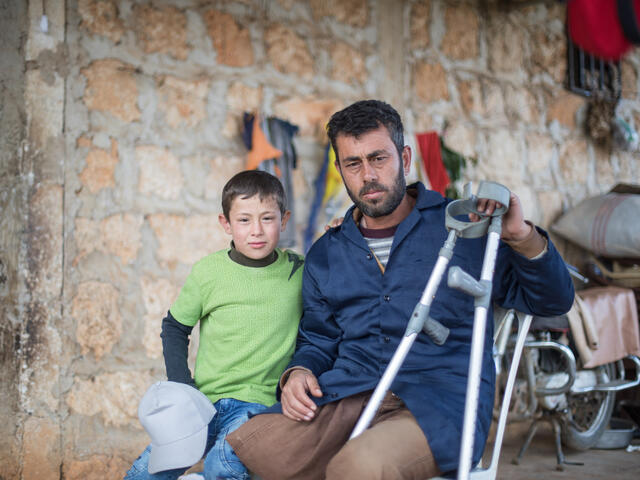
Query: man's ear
(406, 159)
(225, 223)
(285, 219)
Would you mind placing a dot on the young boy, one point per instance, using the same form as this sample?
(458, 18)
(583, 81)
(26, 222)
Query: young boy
(248, 301)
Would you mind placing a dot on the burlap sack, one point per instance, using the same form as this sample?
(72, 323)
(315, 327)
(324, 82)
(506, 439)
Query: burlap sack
(607, 225)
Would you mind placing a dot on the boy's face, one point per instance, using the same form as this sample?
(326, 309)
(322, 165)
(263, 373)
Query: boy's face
(254, 225)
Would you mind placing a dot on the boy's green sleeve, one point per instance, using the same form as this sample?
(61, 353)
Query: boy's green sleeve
(187, 309)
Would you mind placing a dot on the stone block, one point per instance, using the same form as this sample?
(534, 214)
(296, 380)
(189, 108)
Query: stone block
(97, 315)
(288, 52)
(628, 167)
(470, 92)
(430, 82)
(505, 46)
(563, 108)
(220, 171)
(97, 467)
(350, 12)
(419, 25)
(521, 105)
(461, 138)
(158, 294)
(100, 17)
(231, 41)
(160, 173)
(539, 153)
(494, 102)
(183, 101)
(162, 30)
(605, 174)
(309, 114)
(111, 87)
(100, 168)
(199, 235)
(118, 235)
(531, 207)
(550, 206)
(460, 41)
(243, 98)
(549, 53)
(347, 63)
(42, 457)
(503, 162)
(113, 396)
(574, 161)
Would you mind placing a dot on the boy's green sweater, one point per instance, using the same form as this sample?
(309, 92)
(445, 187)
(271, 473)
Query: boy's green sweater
(248, 323)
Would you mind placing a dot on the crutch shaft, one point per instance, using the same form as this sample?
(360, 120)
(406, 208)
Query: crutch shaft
(415, 325)
(477, 348)
(383, 385)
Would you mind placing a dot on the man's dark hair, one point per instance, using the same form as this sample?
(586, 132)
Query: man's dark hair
(364, 116)
(248, 183)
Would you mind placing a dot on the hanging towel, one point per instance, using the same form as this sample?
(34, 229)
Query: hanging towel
(260, 148)
(429, 145)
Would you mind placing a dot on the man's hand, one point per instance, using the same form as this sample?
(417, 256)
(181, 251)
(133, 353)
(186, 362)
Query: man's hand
(296, 403)
(514, 228)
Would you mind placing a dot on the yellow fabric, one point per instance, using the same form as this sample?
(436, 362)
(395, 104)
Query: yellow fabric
(334, 180)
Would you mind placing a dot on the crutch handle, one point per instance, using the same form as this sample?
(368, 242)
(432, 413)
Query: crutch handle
(436, 331)
(421, 321)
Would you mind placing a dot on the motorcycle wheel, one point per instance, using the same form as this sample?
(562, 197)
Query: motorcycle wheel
(588, 414)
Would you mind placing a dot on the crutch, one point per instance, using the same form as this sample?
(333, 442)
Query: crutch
(420, 319)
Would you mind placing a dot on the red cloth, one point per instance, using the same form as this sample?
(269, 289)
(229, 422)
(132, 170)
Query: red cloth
(594, 26)
(429, 145)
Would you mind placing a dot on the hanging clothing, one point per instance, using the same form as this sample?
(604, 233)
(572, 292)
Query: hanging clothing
(429, 145)
(271, 149)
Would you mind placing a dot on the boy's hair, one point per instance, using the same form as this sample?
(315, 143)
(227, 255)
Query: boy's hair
(364, 116)
(248, 183)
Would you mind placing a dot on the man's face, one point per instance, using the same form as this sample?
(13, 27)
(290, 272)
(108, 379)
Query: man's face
(372, 172)
(254, 225)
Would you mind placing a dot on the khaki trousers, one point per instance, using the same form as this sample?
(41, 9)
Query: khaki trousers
(394, 447)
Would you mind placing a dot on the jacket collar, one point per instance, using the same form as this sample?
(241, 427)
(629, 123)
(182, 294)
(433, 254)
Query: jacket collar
(424, 199)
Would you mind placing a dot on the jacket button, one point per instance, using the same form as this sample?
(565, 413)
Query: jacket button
(369, 256)
(387, 339)
(387, 298)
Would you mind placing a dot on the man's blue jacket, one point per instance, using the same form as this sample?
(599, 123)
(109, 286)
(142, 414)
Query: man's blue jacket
(355, 316)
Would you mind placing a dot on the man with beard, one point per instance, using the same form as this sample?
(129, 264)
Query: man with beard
(361, 282)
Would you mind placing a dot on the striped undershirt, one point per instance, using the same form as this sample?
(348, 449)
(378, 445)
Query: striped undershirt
(379, 241)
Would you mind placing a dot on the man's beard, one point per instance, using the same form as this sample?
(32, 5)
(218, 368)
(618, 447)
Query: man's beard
(380, 208)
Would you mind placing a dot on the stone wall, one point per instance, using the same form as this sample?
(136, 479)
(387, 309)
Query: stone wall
(132, 119)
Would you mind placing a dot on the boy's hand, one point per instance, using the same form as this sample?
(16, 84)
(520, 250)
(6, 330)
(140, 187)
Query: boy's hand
(296, 404)
(336, 222)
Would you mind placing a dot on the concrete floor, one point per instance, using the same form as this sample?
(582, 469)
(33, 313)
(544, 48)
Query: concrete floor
(539, 461)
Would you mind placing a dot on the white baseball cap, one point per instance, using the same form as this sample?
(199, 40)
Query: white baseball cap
(176, 416)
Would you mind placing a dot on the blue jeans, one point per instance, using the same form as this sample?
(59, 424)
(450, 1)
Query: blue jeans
(219, 459)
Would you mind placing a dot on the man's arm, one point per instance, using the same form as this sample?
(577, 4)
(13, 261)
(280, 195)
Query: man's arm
(316, 350)
(175, 349)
